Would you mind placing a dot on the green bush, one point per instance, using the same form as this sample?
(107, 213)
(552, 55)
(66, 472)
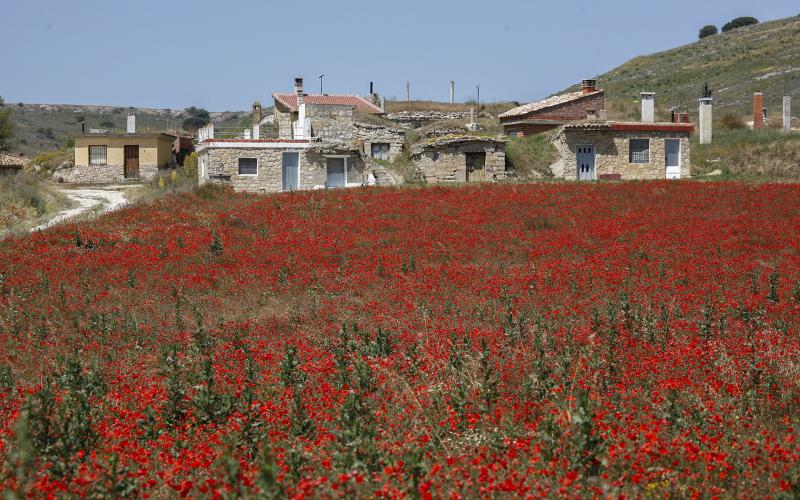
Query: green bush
(739, 22)
(708, 30)
(531, 156)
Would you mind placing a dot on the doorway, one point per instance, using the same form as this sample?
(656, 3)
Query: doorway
(131, 162)
(476, 167)
(585, 156)
(672, 153)
(291, 171)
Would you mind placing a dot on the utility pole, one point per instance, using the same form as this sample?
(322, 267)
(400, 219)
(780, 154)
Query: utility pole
(408, 91)
(478, 87)
(320, 83)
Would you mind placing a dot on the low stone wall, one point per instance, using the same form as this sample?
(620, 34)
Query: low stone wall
(612, 153)
(449, 163)
(102, 174)
(221, 165)
(417, 119)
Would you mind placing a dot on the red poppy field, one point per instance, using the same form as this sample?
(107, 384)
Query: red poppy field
(540, 340)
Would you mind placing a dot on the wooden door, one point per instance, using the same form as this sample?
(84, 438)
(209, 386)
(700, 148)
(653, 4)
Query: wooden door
(476, 167)
(585, 163)
(131, 162)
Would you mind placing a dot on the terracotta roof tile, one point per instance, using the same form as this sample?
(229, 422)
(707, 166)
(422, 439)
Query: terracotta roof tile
(359, 103)
(12, 161)
(550, 102)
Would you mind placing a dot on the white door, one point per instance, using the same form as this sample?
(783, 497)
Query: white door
(585, 163)
(672, 153)
(290, 171)
(336, 173)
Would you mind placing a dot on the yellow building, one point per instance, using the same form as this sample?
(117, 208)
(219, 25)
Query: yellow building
(108, 157)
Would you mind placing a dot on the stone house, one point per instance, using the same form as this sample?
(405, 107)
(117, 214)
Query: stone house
(11, 164)
(623, 151)
(276, 165)
(337, 119)
(114, 157)
(460, 158)
(554, 112)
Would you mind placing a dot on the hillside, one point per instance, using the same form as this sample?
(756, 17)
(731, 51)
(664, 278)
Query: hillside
(764, 57)
(45, 127)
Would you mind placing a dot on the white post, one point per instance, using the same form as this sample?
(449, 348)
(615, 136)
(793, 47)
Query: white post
(787, 113)
(210, 131)
(452, 92)
(256, 131)
(408, 91)
(383, 104)
(131, 124)
(648, 107)
(706, 120)
(247, 133)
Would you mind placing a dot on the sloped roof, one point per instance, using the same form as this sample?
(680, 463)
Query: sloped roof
(550, 102)
(632, 126)
(12, 161)
(359, 103)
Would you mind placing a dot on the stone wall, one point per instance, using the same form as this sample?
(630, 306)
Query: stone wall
(367, 134)
(417, 119)
(612, 153)
(102, 174)
(449, 163)
(284, 121)
(333, 123)
(221, 165)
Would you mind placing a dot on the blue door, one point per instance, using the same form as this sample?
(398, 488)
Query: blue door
(291, 171)
(585, 165)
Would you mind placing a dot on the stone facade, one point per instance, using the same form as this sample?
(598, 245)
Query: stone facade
(612, 152)
(367, 134)
(551, 117)
(333, 123)
(220, 164)
(446, 159)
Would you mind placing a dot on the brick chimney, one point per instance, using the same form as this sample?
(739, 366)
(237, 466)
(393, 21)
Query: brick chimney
(758, 110)
(589, 86)
(648, 107)
(298, 90)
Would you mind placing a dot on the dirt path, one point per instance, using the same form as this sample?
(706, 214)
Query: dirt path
(105, 199)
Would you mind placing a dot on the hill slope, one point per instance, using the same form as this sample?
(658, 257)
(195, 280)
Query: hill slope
(764, 57)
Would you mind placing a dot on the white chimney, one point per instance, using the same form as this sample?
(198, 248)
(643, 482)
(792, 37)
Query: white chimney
(648, 107)
(131, 124)
(298, 90)
(706, 120)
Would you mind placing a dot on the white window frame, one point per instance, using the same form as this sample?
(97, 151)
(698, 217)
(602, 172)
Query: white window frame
(630, 151)
(388, 150)
(346, 165)
(105, 147)
(238, 167)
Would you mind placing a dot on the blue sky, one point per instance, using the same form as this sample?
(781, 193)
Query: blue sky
(222, 55)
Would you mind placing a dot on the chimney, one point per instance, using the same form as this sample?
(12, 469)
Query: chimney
(256, 116)
(131, 124)
(298, 91)
(706, 121)
(589, 86)
(371, 88)
(758, 110)
(648, 107)
(452, 92)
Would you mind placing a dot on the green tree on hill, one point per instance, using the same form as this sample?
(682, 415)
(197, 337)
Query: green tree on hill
(6, 127)
(708, 30)
(197, 117)
(739, 22)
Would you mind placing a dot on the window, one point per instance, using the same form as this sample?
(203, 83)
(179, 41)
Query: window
(380, 151)
(336, 173)
(98, 155)
(435, 156)
(640, 151)
(248, 166)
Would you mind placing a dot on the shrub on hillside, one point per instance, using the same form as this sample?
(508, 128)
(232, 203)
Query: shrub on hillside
(531, 156)
(731, 121)
(739, 22)
(708, 30)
